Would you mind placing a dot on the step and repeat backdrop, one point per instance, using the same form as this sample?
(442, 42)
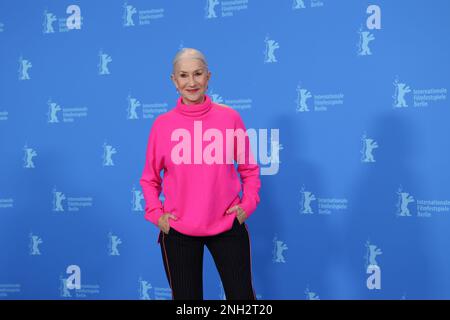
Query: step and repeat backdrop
(347, 99)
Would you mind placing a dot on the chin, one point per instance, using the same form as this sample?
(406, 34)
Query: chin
(194, 98)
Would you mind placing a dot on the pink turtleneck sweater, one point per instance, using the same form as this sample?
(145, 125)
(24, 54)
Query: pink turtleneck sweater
(197, 190)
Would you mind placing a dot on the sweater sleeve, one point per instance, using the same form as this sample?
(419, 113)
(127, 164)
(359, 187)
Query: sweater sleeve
(249, 172)
(151, 179)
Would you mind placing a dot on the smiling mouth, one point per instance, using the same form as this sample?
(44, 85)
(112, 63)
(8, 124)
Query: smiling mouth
(192, 90)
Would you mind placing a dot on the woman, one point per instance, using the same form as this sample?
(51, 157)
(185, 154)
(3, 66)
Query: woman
(201, 186)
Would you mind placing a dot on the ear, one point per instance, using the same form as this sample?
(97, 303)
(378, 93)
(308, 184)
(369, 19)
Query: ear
(172, 77)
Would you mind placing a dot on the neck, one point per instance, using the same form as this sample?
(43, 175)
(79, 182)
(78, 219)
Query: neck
(194, 110)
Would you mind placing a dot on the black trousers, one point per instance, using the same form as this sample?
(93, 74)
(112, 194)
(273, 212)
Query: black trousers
(183, 262)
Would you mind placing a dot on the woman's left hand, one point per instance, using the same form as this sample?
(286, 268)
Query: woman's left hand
(241, 215)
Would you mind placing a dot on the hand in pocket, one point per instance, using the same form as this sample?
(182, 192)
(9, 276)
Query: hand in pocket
(163, 222)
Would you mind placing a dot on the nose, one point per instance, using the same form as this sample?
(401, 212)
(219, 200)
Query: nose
(191, 80)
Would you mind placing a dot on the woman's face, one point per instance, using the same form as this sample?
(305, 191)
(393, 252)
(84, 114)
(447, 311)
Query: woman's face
(191, 80)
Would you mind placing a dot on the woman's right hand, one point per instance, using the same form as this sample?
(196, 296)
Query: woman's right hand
(163, 222)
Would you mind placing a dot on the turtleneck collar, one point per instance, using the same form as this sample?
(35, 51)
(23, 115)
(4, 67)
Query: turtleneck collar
(194, 110)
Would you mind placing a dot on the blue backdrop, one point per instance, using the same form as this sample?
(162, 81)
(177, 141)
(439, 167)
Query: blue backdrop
(356, 205)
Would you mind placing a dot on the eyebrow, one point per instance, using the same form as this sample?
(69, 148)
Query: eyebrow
(193, 71)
